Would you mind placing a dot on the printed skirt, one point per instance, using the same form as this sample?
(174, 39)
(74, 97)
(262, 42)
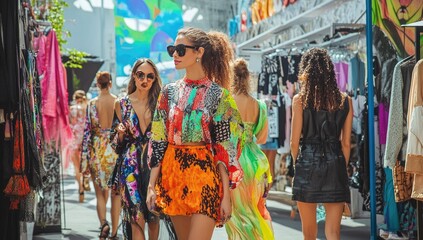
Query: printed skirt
(189, 183)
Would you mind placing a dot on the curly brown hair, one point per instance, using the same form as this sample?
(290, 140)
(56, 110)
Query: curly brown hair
(241, 83)
(319, 89)
(154, 91)
(218, 54)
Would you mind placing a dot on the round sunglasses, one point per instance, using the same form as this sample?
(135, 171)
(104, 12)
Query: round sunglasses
(180, 49)
(141, 76)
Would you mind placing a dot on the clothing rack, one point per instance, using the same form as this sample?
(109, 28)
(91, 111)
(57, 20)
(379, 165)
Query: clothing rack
(40, 23)
(418, 26)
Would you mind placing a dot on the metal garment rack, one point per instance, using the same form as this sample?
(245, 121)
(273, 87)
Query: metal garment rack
(418, 26)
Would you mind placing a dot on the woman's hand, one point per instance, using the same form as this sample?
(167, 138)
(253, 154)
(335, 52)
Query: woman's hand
(151, 198)
(225, 208)
(121, 129)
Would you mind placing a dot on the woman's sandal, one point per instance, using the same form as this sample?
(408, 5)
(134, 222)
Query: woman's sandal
(104, 230)
(115, 237)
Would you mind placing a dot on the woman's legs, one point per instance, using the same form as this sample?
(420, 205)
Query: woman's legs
(115, 212)
(138, 230)
(271, 156)
(195, 227)
(182, 226)
(333, 220)
(101, 196)
(153, 230)
(76, 159)
(201, 227)
(308, 219)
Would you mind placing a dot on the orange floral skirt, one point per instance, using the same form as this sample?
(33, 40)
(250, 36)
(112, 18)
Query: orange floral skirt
(189, 183)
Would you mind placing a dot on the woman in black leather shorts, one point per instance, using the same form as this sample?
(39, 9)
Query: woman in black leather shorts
(320, 144)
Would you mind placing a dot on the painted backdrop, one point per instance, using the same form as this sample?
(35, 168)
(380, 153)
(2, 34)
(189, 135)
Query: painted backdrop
(144, 28)
(389, 15)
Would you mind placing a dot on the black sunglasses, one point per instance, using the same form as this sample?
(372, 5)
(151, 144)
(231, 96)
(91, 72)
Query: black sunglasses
(180, 49)
(141, 75)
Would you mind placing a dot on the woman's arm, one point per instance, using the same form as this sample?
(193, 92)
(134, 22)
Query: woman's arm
(151, 193)
(118, 130)
(226, 206)
(120, 127)
(346, 132)
(296, 126)
(86, 144)
(262, 135)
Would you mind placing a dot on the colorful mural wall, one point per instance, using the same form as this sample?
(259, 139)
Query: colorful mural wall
(389, 15)
(144, 28)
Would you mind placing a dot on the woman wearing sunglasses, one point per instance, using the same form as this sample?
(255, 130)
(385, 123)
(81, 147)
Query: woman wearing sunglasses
(196, 133)
(130, 136)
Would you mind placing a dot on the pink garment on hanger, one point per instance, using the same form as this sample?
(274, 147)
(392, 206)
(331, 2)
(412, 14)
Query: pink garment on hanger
(39, 45)
(55, 108)
(341, 73)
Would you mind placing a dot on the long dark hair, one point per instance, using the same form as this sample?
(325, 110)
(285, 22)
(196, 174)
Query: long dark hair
(319, 89)
(154, 91)
(218, 54)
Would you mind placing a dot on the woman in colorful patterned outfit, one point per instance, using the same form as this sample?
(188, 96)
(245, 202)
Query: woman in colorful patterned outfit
(130, 136)
(98, 157)
(196, 137)
(320, 144)
(77, 124)
(250, 218)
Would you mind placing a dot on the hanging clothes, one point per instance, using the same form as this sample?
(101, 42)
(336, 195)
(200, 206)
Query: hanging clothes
(263, 83)
(383, 122)
(396, 123)
(365, 169)
(387, 78)
(358, 76)
(407, 68)
(54, 90)
(358, 103)
(9, 57)
(341, 73)
(390, 211)
(415, 133)
(293, 67)
(283, 107)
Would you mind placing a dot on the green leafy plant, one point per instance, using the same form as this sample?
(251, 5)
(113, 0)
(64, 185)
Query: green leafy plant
(76, 58)
(57, 19)
(75, 81)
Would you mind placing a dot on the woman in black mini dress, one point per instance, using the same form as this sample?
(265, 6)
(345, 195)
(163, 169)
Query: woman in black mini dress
(320, 144)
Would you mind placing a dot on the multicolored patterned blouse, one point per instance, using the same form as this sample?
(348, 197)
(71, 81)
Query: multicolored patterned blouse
(198, 111)
(97, 154)
(131, 174)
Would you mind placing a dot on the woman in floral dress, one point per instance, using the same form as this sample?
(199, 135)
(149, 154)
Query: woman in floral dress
(98, 157)
(77, 124)
(130, 136)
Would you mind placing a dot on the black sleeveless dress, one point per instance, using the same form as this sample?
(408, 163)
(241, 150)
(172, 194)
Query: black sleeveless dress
(320, 168)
